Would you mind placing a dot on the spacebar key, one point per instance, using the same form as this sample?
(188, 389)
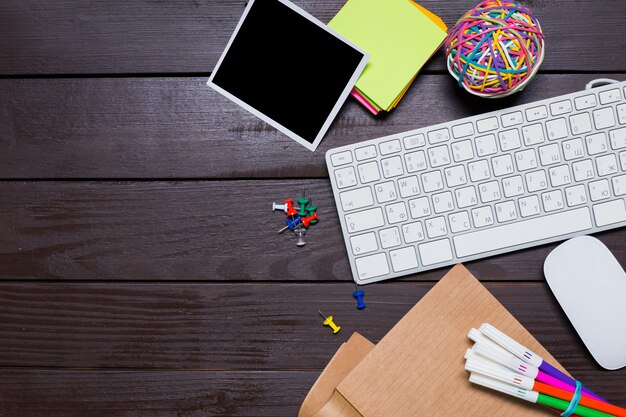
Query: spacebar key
(526, 231)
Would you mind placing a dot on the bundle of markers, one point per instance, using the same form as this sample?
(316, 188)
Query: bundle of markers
(498, 362)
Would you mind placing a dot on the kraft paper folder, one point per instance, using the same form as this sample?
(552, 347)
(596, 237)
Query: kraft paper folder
(399, 35)
(417, 369)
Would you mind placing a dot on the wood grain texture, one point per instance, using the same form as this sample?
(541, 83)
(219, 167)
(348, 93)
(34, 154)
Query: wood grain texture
(180, 128)
(192, 230)
(92, 393)
(147, 36)
(251, 327)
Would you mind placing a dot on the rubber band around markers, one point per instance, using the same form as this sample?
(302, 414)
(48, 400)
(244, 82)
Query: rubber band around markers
(574, 402)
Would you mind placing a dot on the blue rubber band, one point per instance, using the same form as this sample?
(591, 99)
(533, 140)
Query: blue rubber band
(575, 399)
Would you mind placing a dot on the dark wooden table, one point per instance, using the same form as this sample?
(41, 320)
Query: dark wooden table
(140, 269)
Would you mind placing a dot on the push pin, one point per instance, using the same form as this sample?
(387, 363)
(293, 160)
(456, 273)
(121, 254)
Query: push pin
(311, 210)
(307, 220)
(300, 232)
(303, 202)
(281, 207)
(358, 294)
(328, 321)
(291, 224)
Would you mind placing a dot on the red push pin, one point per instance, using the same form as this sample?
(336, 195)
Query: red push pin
(307, 220)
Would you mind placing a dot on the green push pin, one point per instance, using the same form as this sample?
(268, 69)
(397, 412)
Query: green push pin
(311, 210)
(303, 202)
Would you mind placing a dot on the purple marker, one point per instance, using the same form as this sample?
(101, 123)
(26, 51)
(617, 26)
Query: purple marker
(530, 357)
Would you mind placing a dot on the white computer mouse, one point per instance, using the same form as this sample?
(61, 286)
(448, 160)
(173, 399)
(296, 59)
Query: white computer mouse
(590, 285)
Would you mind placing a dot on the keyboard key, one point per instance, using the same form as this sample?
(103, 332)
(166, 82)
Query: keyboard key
(408, 186)
(436, 227)
(459, 222)
(363, 220)
(455, 176)
(599, 190)
(462, 151)
(573, 149)
(549, 154)
(489, 191)
(610, 96)
(372, 266)
(509, 140)
(396, 213)
(385, 192)
(366, 152)
(403, 259)
(512, 119)
(585, 102)
(389, 147)
(460, 131)
(506, 212)
(559, 175)
(389, 238)
(513, 186)
(603, 118)
(413, 232)
(345, 177)
(523, 232)
(482, 216)
(583, 170)
(435, 252)
(596, 143)
(479, 170)
(466, 197)
(368, 172)
(529, 206)
(526, 160)
(486, 145)
(557, 129)
(536, 181)
(392, 167)
(341, 158)
(415, 161)
(606, 165)
(414, 141)
(502, 165)
(536, 113)
(442, 202)
(622, 160)
(487, 125)
(356, 199)
(532, 134)
(609, 212)
(580, 123)
(438, 156)
(552, 201)
(621, 113)
(619, 185)
(364, 243)
(561, 107)
(438, 136)
(419, 207)
(576, 195)
(618, 138)
(432, 181)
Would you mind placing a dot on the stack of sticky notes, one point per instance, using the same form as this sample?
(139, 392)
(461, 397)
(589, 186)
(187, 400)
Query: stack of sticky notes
(399, 35)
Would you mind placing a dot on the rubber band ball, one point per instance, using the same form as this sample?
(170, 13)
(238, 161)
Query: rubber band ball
(495, 49)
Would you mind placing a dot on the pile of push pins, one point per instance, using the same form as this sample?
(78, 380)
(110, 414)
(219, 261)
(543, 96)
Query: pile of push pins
(360, 304)
(298, 218)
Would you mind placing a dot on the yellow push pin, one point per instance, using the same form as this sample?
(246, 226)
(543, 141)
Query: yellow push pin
(328, 321)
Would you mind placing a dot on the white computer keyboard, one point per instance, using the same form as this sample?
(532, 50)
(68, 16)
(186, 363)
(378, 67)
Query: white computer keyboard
(483, 185)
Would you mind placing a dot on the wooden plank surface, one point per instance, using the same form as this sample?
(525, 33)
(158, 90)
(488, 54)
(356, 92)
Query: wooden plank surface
(143, 36)
(192, 230)
(179, 128)
(89, 393)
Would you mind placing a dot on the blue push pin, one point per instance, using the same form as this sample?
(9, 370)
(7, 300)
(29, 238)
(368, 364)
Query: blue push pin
(291, 224)
(358, 294)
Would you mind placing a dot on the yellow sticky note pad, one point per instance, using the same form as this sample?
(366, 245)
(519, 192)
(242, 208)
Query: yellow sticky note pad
(399, 37)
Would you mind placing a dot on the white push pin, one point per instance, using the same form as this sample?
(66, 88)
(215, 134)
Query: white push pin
(281, 207)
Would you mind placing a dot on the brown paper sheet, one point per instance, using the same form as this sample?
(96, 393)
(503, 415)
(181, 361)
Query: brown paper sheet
(417, 369)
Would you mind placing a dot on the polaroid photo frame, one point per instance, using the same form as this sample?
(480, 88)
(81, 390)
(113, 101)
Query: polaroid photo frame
(288, 69)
